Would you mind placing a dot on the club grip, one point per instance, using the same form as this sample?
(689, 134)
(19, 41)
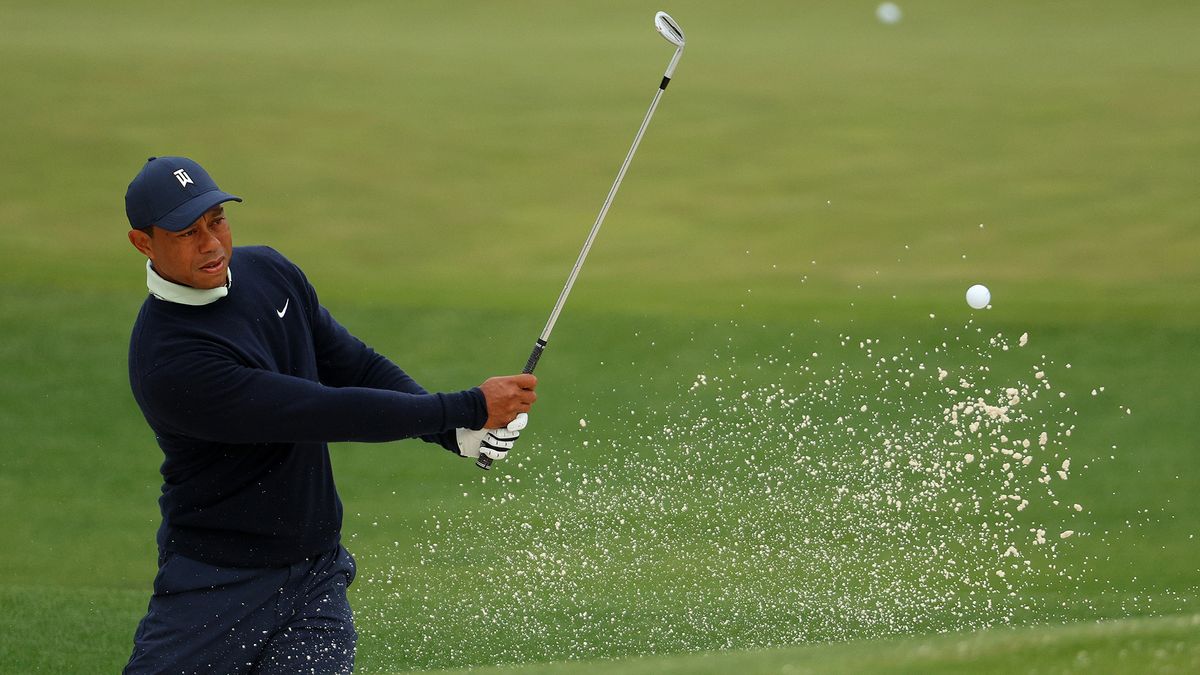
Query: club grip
(483, 462)
(534, 356)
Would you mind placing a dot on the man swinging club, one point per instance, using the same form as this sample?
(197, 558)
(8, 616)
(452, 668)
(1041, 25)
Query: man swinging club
(244, 379)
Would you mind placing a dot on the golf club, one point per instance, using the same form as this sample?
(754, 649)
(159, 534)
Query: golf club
(670, 30)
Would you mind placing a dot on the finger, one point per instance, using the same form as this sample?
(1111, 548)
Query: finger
(496, 443)
(521, 421)
(525, 380)
(492, 453)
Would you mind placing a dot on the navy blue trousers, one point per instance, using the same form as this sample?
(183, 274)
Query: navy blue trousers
(208, 619)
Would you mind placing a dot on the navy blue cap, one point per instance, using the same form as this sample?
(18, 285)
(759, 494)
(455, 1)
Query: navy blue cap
(171, 192)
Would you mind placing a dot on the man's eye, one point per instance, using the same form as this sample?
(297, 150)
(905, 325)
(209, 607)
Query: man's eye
(188, 233)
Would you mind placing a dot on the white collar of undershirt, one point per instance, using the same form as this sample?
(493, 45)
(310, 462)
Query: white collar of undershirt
(185, 295)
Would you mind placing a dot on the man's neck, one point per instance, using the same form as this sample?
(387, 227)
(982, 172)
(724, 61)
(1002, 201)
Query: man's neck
(170, 291)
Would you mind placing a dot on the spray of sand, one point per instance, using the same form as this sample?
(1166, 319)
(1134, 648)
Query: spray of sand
(877, 489)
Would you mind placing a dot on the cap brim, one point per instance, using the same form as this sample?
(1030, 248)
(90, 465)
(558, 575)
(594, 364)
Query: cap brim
(188, 212)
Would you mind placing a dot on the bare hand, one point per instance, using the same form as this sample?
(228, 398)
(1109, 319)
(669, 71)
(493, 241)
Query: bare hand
(507, 397)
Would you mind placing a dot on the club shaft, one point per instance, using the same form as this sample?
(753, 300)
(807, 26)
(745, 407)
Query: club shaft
(612, 193)
(485, 462)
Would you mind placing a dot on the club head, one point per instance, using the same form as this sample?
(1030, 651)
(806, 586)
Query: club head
(670, 30)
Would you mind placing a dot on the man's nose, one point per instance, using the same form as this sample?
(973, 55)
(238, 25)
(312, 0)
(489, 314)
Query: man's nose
(209, 241)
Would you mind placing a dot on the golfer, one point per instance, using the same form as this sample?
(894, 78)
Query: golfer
(244, 378)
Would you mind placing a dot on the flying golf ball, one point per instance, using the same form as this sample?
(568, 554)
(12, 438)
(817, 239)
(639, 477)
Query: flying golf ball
(978, 296)
(888, 12)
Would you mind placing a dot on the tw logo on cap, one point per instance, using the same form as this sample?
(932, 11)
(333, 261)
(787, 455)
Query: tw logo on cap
(184, 179)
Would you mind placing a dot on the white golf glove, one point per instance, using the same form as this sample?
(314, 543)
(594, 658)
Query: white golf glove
(491, 443)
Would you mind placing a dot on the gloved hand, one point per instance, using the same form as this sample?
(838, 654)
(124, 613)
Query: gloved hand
(491, 443)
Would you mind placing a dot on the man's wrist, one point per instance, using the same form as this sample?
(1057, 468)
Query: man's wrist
(466, 409)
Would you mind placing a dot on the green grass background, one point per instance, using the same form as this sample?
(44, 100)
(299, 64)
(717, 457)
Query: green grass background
(435, 166)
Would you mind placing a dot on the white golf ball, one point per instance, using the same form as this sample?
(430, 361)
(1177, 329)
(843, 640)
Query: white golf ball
(978, 296)
(888, 12)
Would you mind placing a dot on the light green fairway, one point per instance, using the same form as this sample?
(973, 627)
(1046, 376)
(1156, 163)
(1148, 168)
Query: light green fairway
(812, 177)
(1161, 645)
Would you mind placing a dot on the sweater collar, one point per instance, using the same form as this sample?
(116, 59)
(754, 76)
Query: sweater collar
(185, 295)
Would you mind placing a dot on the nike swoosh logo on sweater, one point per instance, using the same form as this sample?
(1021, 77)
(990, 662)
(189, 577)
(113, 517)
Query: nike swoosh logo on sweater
(283, 311)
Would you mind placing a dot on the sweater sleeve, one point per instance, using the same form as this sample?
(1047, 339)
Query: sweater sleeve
(212, 398)
(345, 361)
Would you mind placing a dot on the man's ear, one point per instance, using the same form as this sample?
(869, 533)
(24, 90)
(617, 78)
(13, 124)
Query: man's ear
(141, 241)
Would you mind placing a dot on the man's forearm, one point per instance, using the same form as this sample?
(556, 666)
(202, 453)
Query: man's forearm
(234, 404)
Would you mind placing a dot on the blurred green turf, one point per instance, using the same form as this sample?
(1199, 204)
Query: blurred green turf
(434, 168)
(1160, 645)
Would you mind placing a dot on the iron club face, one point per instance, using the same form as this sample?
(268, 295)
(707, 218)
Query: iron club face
(670, 30)
(672, 33)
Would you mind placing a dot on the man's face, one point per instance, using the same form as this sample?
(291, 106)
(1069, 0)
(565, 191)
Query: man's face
(197, 256)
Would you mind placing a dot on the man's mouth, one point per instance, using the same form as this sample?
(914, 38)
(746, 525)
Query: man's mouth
(214, 266)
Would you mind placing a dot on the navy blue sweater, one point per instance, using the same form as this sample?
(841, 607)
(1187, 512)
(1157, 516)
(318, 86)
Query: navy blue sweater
(243, 402)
